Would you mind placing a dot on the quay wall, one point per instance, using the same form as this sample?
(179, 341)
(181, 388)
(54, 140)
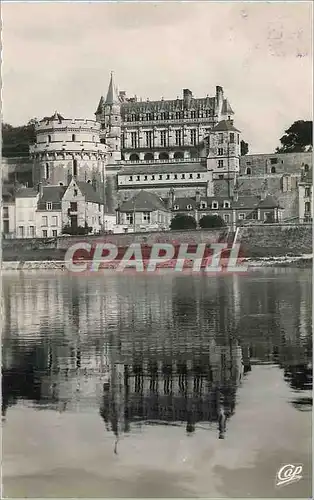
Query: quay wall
(267, 240)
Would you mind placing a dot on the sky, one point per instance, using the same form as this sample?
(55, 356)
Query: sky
(58, 56)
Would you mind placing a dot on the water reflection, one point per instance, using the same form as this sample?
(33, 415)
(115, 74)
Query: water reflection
(151, 350)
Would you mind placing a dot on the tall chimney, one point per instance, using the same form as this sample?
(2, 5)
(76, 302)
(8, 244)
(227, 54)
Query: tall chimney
(40, 189)
(187, 97)
(198, 197)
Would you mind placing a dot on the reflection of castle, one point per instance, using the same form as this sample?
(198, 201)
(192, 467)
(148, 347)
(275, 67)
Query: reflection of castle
(173, 392)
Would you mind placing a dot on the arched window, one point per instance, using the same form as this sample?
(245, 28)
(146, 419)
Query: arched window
(163, 156)
(248, 171)
(149, 157)
(49, 138)
(273, 170)
(306, 168)
(73, 137)
(47, 171)
(178, 156)
(60, 183)
(134, 157)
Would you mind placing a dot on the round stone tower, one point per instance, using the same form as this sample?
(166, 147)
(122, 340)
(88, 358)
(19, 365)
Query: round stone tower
(68, 148)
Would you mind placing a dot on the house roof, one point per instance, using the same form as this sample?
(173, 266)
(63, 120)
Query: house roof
(225, 125)
(163, 168)
(166, 105)
(243, 202)
(112, 94)
(52, 194)
(89, 192)
(26, 193)
(55, 117)
(144, 201)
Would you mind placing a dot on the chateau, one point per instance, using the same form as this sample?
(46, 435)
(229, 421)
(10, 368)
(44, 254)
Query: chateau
(187, 149)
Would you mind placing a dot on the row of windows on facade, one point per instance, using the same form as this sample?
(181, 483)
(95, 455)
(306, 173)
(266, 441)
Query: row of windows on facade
(146, 216)
(73, 139)
(178, 155)
(73, 204)
(31, 232)
(249, 170)
(179, 138)
(168, 115)
(165, 177)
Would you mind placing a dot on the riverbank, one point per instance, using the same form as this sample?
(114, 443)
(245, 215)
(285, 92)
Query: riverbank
(301, 262)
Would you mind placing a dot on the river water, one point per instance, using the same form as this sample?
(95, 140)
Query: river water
(156, 386)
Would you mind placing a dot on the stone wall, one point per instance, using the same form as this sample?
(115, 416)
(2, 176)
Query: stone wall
(286, 163)
(276, 240)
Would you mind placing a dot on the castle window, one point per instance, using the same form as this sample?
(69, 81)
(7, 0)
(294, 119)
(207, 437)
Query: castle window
(198, 176)
(153, 177)
(146, 217)
(178, 115)
(231, 137)
(49, 138)
(175, 176)
(131, 178)
(183, 176)
(238, 137)
(273, 161)
(74, 168)
(176, 207)
(241, 216)
(149, 139)
(47, 170)
(149, 157)
(193, 137)
(248, 171)
(307, 207)
(220, 163)
(306, 168)
(191, 176)
(73, 137)
(193, 114)
(227, 204)
(203, 205)
(163, 137)
(145, 177)
(220, 138)
(162, 116)
(168, 177)
(220, 151)
(49, 206)
(214, 205)
(60, 183)
(273, 170)
(75, 192)
(227, 218)
(134, 139)
(189, 207)
(163, 156)
(133, 118)
(160, 177)
(307, 192)
(178, 137)
(138, 178)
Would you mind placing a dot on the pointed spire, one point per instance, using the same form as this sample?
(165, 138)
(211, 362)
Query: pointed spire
(100, 106)
(112, 94)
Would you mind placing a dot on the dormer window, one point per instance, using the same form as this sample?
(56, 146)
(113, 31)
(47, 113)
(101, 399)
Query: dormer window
(226, 204)
(189, 207)
(214, 205)
(49, 206)
(131, 178)
(203, 205)
(176, 207)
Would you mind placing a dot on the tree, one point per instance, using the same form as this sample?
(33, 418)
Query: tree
(77, 231)
(16, 140)
(244, 148)
(298, 138)
(208, 221)
(181, 221)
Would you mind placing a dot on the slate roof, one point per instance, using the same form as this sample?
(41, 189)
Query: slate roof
(225, 125)
(167, 105)
(112, 94)
(242, 203)
(26, 193)
(55, 117)
(269, 202)
(89, 193)
(163, 168)
(144, 201)
(52, 193)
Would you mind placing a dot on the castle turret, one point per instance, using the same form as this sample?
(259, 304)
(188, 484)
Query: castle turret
(109, 115)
